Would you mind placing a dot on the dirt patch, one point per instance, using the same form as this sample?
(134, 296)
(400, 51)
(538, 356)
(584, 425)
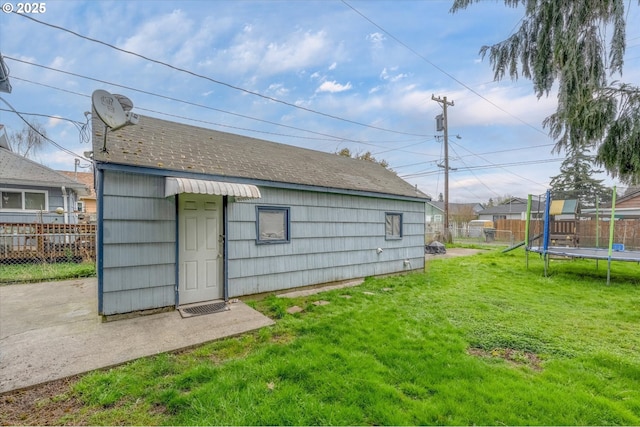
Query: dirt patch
(46, 404)
(515, 357)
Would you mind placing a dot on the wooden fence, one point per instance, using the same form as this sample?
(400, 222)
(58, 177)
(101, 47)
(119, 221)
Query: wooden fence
(46, 242)
(584, 233)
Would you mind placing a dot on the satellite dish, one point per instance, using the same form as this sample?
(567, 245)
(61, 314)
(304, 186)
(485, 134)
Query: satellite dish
(108, 109)
(126, 103)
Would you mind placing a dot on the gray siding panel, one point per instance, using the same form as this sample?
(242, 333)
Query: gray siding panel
(124, 278)
(138, 299)
(333, 237)
(139, 243)
(133, 231)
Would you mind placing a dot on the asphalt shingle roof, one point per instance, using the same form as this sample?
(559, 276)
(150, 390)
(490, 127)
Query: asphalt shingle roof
(171, 146)
(18, 170)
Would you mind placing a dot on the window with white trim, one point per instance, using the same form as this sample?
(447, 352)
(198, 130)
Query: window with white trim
(272, 224)
(393, 225)
(80, 206)
(23, 200)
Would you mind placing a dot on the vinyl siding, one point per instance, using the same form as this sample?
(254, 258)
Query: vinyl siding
(333, 237)
(139, 245)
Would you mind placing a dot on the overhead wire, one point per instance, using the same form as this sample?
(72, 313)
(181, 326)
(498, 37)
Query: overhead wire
(443, 71)
(329, 136)
(219, 82)
(45, 137)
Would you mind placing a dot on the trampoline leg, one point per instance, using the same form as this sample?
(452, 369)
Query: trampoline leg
(608, 271)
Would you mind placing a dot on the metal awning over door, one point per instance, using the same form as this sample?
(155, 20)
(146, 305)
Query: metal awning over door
(173, 186)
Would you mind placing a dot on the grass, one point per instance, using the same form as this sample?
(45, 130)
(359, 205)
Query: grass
(21, 273)
(472, 340)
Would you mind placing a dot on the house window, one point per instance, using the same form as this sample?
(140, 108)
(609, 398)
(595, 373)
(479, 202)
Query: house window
(437, 218)
(23, 200)
(80, 206)
(393, 226)
(272, 225)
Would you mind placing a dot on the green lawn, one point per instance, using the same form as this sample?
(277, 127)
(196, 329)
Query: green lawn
(38, 272)
(473, 340)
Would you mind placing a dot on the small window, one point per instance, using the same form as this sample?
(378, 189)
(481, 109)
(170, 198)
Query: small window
(80, 206)
(34, 201)
(393, 226)
(23, 200)
(11, 200)
(272, 224)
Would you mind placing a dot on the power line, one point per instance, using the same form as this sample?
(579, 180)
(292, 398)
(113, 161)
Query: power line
(329, 136)
(490, 166)
(469, 88)
(41, 134)
(513, 173)
(183, 70)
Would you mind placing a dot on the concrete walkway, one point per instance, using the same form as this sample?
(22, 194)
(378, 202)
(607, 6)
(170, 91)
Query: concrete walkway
(52, 330)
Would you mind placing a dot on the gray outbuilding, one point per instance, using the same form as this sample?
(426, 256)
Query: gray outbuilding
(188, 215)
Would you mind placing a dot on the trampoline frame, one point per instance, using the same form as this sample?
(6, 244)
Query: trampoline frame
(608, 254)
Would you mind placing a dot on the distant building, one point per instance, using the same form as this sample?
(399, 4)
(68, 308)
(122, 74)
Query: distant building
(513, 208)
(86, 204)
(31, 192)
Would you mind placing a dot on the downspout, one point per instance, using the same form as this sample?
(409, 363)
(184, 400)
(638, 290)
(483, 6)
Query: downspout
(225, 251)
(65, 205)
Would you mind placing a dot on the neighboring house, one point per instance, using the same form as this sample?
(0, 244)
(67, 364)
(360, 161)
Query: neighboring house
(31, 192)
(187, 215)
(627, 206)
(629, 201)
(514, 208)
(458, 212)
(86, 205)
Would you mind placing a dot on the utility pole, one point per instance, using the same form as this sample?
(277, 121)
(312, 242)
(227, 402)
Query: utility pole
(445, 126)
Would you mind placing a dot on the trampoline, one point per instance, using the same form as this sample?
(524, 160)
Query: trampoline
(614, 251)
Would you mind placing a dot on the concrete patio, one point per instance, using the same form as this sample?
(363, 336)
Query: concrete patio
(52, 330)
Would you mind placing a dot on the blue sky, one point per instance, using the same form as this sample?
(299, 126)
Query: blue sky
(362, 73)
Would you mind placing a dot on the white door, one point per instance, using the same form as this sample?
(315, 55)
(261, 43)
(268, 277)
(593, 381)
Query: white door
(200, 247)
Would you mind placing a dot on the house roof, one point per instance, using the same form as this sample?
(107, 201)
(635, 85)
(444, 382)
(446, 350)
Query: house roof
(18, 170)
(85, 178)
(513, 206)
(455, 207)
(170, 146)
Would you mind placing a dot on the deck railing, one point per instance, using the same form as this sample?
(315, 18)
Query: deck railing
(29, 242)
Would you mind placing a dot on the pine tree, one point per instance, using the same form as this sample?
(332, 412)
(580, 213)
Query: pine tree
(577, 46)
(576, 182)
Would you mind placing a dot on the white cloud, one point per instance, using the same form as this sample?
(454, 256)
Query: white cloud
(160, 36)
(54, 121)
(333, 87)
(333, 66)
(376, 39)
(277, 90)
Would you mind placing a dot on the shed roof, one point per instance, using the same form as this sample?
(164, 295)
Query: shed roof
(171, 146)
(18, 170)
